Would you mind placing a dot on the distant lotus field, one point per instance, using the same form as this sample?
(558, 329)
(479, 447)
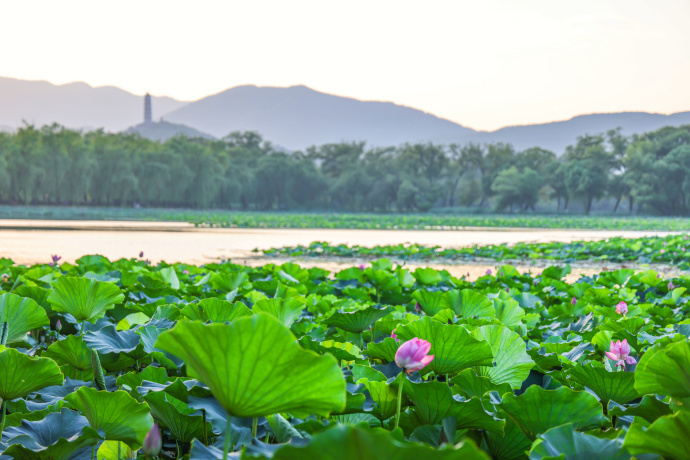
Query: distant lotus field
(125, 359)
(671, 250)
(383, 221)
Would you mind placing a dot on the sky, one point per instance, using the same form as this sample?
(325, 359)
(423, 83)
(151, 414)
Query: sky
(484, 64)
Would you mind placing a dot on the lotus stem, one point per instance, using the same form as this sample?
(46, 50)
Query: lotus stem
(226, 444)
(203, 414)
(400, 392)
(93, 452)
(3, 416)
(255, 426)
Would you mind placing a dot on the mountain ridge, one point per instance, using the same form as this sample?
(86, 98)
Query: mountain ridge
(294, 117)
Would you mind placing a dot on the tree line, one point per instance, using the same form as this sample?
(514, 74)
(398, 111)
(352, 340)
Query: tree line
(54, 165)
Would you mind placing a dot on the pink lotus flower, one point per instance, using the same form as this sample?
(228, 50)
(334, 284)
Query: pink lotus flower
(663, 251)
(622, 308)
(361, 267)
(153, 442)
(417, 307)
(412, 355)
(671, 286)
(619, 351)
(488, 271)
(574, 301)
(185, 272)
(394, 336)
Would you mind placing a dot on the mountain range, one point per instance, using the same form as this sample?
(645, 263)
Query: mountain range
(294, 117)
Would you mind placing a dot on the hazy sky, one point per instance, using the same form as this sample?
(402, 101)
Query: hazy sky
(482, 63)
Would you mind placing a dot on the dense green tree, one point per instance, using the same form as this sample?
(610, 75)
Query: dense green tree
(54, 165)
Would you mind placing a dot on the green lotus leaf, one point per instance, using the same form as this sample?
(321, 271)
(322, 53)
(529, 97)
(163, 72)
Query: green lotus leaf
(470, 385)
(511, 361)
(282, 430)
(227, 282)
(469, 304)
(74, 357)
(428, 276)
(454, 348)
(119, 415)
(431, 301)
(58, 435)
(110, 340)
(665, 371)
(39, 294)
(384, 350)
(359, 320)
(133, 319)
(667, 436)
(83, 298)
(215, 310)
(383, 394)
(433, 402)
(563, 442)
(135, 379)
(649, 408)
(174, 415)
(512, 445)
(286, 310)
(356, 443)
(538, 410)
(508, 311)
(22, 315)
(21, 375)
(608, 386)
(149, 336)
(115, 450)
(255, 367)
(342, 351)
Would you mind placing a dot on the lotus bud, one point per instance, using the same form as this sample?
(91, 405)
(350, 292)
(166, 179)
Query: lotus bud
(574, 301)
(417, 307)
(671, 286)
(141, 255)
(488, 271)
(58, 326)
(412, 355)
(395, 337)
(153, 442)
(622, 308)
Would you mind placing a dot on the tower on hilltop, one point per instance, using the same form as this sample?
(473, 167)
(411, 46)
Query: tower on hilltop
(147, 108)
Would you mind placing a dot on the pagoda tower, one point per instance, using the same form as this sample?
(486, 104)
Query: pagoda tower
(147, 108)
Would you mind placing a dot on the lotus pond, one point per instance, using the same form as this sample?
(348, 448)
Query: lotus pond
(123, 359)
(672, 250)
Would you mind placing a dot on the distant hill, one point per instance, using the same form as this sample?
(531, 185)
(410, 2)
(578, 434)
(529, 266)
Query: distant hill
(74, 105)
(294, 117)
(163, 130)
(297, 117)
(557, 135)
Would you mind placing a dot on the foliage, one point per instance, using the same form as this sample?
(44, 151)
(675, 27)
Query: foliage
(671, 250)
(519, 369)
